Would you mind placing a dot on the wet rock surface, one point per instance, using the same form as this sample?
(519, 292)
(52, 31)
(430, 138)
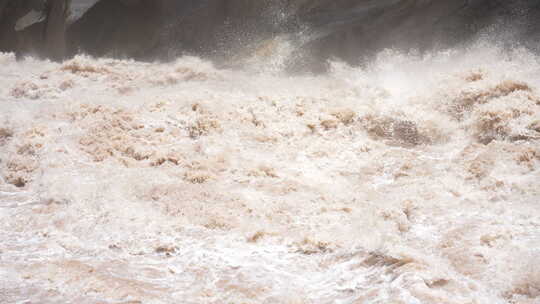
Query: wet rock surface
(218, 29)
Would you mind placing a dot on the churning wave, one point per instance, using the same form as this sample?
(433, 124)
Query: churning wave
(391, 176)
(411, 179)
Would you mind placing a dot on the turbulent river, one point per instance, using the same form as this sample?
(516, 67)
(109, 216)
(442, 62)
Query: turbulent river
(412, 179)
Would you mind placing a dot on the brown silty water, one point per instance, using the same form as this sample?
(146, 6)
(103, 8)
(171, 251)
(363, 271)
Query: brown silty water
(412, 180)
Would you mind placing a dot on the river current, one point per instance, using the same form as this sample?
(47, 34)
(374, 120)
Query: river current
(414, 178)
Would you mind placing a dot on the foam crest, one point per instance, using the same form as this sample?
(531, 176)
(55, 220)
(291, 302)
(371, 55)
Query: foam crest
(412, 179)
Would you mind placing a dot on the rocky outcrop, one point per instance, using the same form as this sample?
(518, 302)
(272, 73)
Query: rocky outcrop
(150, 29)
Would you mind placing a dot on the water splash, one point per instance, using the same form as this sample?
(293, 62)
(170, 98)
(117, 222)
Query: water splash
(411, 180)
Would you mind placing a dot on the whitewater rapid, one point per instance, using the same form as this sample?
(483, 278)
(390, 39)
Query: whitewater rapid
(413, 179)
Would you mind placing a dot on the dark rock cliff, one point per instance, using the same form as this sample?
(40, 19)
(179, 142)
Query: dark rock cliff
(164, 29)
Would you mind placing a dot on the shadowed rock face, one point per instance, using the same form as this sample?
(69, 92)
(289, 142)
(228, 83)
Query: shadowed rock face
(10, 40)
(162, 29)
(55, 28)
(117, 28)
